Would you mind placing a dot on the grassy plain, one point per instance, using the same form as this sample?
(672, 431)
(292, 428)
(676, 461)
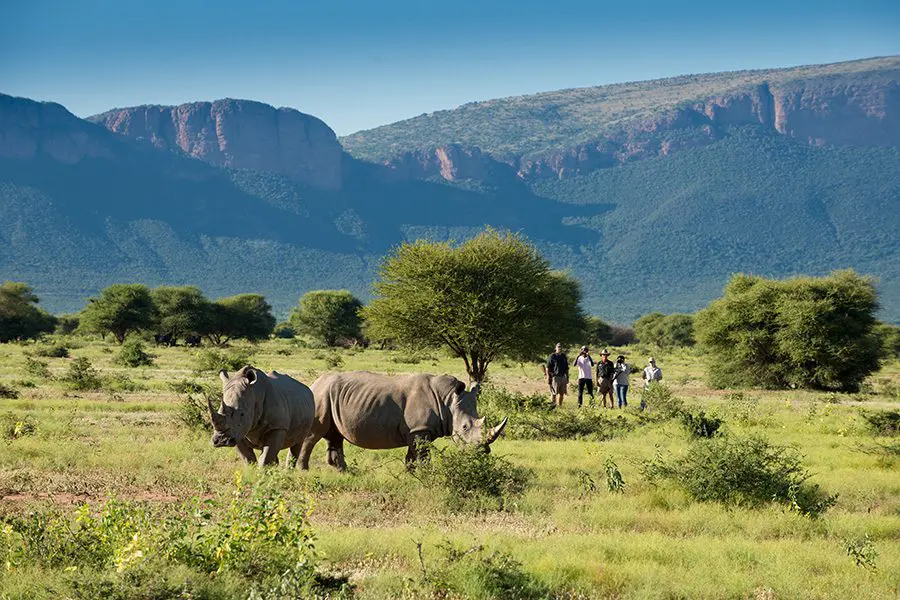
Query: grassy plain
(388, 530)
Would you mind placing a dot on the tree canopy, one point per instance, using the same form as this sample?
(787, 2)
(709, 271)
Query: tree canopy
(246, 316)
(181, 310)
(328, 315)
(120, 309)
(816, 332)
(490, 297)
(665, 331)
(20, 318)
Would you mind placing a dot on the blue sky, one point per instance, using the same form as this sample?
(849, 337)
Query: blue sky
(357, 65)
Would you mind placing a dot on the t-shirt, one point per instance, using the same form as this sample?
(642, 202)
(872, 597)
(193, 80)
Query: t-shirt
(584, 364)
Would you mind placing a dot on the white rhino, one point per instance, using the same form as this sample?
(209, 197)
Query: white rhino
(268, 412)
(376, 411)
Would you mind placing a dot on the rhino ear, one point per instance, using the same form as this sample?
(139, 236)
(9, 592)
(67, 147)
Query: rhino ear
(223, 375)
(250, 375)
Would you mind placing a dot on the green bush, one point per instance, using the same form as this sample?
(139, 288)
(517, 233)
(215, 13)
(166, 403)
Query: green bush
(284, 331)
(7, 392)
(81, 375)
(660, 402)
(701, 426)
(474, 479)
(585, 424)
(192, 410)
(213, 360)
(37, 369)
(52, 351)
(13, 427)
(492, 398)
(474, 572)
(804, 332)
(883, 422)
(133, 354)
(742, 471)
(665, 331)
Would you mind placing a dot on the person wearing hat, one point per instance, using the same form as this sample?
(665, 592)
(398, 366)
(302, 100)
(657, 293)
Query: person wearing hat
(620, 380)
(606, 370)
(584, 362)
(557, 370)
(651, 373)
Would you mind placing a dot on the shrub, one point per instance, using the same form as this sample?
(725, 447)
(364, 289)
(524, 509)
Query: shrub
(883, 422)
(742, 471)
(665, 331)
(133, 354)
(213, 360)
(614, 481)
(501, 400)
(284, 331)
(8, 393)
(185, 386)
(474, 572)
(659, 400)
(192, 410)
(82, 375)
(563, 425)
(701, 426)
(54, 351)
(12, 427)
(121, 382)
(473, 478)
(804, 332)
(37, 368)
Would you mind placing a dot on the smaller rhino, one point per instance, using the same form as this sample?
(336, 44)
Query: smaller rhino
(259, 411)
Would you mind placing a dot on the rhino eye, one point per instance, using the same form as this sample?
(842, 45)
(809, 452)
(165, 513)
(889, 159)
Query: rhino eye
(465, 426)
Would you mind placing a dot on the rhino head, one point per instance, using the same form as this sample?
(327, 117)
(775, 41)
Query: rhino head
(241, 399)
(467, 427)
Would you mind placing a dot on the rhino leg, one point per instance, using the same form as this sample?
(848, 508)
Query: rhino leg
(271, 446)
(418, 450)
(246, 452)
(296, 449)
(335, 456)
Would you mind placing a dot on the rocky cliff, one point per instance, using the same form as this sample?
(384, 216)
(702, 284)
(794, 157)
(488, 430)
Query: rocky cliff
(239, 134)
(30, 129)
(570, 132)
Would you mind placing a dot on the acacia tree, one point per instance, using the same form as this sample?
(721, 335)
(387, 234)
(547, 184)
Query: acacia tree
(19, 317)
(328, 315)
(493, 296)
(181, 310)
(666, 331)
(816, 332)
(246, 316)
(120, 309)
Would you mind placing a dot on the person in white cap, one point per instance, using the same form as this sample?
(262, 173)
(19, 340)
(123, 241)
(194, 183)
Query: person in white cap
(585, 364)
(651, 373)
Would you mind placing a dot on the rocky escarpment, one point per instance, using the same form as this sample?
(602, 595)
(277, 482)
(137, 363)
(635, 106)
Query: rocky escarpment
(453, 162)
(30, 129)
(238, 134)
(571, 132)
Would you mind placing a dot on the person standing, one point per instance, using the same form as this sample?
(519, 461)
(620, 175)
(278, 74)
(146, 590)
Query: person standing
(585, 362)
(558, 375)
(651, 373)
(605, 373)
(620, 380)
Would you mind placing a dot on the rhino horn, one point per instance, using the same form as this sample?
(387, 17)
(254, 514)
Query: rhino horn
(218, 420)
(496, 431)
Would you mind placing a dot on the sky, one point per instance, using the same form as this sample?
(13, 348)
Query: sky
(360, 64)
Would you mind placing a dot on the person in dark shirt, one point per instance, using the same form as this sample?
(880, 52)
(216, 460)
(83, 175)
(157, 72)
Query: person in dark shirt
(606, 370)
(558, 375)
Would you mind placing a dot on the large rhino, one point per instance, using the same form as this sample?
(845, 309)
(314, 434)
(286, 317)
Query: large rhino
(379, 411)
(268, 412)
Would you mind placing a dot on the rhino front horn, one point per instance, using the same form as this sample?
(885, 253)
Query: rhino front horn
(496, 431)
(218, 420)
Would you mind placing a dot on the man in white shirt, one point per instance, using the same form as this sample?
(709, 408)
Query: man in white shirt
(585, 365)
(651, 373)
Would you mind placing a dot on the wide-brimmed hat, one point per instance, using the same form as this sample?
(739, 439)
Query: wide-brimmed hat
(584, 347)
(652, 361)
(605, 351)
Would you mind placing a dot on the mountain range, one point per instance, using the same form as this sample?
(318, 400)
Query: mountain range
(650, 193)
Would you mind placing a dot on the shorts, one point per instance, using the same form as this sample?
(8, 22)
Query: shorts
(559, 385)
(604, 386)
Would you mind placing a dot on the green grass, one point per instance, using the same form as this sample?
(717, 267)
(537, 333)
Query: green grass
(646, 542)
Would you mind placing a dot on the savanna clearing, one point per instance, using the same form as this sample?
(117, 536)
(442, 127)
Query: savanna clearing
(587, 521)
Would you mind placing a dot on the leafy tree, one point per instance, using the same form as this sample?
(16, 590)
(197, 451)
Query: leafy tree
(67, 324)
(181, 310)
(666, 331)
(597, 332)
(120, 309)
(815, 332)
(19, 317)
(328, 315)
(246, 316)
(890, 339)
(490, 297)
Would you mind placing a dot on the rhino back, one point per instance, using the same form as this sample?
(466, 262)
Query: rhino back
(378, 411)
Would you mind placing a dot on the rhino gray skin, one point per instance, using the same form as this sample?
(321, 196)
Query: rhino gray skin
(378, 411)
(269, 412)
